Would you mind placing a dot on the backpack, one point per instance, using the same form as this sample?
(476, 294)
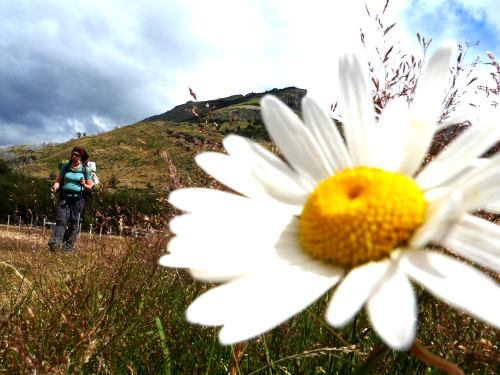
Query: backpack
(93, 172)
(86, 194)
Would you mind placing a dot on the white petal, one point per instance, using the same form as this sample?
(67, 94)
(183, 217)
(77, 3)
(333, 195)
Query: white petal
(426, 109)
(267, 224)
(353, 291)
(480, 186)
(439, 217)
(211, 202)
(253, 305)
(466, 173)
(388, 139)
(214, 265)
(479, 162)
(221, 275)
(326, 134)
(455, 282)
(459, 117)
(494, 207)
(213, 306)
(294, 140)
(227, 226)
(208, 200)
(201, 234)
(208, 269)
(234, 175)
(281, 189)
(359, 113)
(477, 240)
(475, 189)
(275, 176)
(393, 312)
(418, 142)
(228, 171)
(460, 153)
(429, 92)
(224, 265)
(216, 255)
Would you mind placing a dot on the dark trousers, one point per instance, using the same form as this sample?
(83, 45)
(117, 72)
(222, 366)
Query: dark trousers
(68, 216)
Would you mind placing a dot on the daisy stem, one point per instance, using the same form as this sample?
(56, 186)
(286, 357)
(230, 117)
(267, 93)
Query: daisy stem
(418, 350)
(237, 353)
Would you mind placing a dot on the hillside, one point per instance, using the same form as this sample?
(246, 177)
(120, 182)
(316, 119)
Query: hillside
(131, 155)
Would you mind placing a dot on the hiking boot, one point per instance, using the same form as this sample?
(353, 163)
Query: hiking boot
(55, 246)
(68, 248)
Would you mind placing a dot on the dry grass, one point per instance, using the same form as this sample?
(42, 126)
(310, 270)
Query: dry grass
(108, 308)
(59, 310)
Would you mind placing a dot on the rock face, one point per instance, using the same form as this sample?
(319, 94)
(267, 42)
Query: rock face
(291, 96)
(231, 108)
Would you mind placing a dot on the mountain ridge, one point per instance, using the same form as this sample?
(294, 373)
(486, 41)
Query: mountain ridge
(291, 96)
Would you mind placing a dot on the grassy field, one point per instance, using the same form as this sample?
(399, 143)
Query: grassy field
(109, 308)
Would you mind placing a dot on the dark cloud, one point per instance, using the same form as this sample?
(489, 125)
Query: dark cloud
(68, 68)
(91, 65)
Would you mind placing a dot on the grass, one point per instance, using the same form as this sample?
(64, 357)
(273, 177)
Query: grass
(109, 308)
(132, 153)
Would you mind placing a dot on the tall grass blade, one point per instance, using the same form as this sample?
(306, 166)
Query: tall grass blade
(167, 369)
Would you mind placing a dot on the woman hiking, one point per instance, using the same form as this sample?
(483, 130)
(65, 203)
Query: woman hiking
(72, 181)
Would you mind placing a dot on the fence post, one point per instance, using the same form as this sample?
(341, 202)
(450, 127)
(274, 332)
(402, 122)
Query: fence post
(43, 228)
(100, 233)
(20, 223)
(90, 231)
(8, 222)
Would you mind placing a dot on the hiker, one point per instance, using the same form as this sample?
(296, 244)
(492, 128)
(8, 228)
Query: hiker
(71, 183)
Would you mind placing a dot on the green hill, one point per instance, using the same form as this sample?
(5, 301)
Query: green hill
(131, 155)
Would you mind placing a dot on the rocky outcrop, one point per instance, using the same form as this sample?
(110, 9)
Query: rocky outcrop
(196, 111)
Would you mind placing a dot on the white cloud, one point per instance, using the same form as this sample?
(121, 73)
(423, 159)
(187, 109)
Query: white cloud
(112, 63)
(462, 20)
(102, 123)
(257, 45)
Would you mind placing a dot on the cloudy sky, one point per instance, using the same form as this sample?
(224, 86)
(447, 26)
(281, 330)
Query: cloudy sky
(90, 65)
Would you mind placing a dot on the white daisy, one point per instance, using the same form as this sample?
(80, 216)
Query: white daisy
(358, 213)
(493, 207)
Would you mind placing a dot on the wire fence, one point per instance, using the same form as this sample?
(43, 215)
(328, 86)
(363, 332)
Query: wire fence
(18, 223)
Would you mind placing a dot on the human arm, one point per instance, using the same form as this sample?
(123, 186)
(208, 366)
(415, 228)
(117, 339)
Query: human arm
(87, 185)
(57, 183)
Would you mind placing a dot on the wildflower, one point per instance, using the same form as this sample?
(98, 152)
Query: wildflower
(357, 213)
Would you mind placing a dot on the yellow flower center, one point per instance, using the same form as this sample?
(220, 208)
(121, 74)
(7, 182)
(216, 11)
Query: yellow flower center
(360, 215)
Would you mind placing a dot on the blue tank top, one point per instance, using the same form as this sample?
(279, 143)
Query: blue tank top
(71, 183)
